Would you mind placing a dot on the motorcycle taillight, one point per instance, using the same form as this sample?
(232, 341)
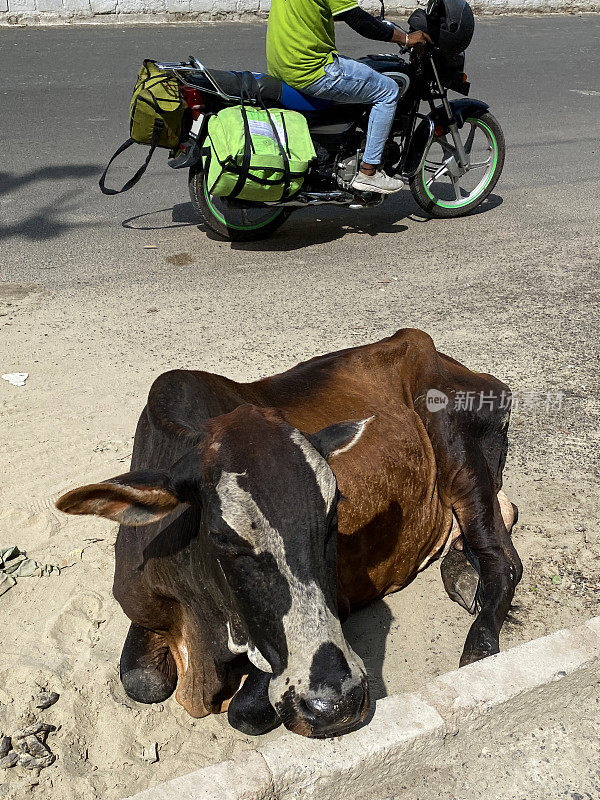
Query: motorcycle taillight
(194, 99)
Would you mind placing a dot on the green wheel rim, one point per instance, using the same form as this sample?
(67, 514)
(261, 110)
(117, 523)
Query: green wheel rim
(480, 188)
(222, 219)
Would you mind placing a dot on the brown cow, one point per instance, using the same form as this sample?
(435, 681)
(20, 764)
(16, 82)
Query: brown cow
(233, 575)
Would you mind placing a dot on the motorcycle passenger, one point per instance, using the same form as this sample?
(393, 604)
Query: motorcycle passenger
(301, 52)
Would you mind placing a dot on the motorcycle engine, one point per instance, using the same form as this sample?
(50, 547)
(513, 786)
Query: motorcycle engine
(346, 168)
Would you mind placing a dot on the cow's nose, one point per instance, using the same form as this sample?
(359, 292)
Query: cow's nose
(330, 717)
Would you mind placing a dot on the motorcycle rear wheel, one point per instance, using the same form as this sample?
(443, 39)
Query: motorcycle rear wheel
(441, 196)
(235, 221)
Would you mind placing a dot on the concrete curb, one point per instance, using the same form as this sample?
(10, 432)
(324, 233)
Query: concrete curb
(408, 732)
(120, 12)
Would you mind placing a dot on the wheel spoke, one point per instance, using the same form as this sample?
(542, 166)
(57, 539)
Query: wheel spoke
(439, 173)
(456, 186)
(448, 148)
(470, 137)
(480, 164)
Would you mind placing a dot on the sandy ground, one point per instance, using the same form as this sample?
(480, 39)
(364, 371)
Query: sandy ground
(91, 363)
(94, 318)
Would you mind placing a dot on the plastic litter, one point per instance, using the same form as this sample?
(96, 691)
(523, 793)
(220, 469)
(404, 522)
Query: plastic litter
(16, 378)
(15, 564)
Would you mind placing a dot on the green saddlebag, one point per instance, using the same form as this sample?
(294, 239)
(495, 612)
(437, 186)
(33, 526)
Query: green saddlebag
(256, 154)
(155, 118)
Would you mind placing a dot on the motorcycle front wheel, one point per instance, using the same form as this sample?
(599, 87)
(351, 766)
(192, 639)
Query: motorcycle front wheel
(233, 219)
(443, 195)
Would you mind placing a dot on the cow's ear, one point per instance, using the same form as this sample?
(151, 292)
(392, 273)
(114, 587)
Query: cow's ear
(135, 498)
(339, 437)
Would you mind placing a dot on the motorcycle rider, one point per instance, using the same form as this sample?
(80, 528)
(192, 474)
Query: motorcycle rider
(301, 52)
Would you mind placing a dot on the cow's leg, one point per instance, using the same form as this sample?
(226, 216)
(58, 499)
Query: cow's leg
(250, 710)
(147, 668)
(459, 576)
(479, 515)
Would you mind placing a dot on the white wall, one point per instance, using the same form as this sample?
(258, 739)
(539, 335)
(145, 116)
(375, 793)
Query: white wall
(46, 12)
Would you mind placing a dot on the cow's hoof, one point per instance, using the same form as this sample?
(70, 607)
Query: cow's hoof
(460, 579)
(250, 710)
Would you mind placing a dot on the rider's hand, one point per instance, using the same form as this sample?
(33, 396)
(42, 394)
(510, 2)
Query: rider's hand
(411, 39)
(418, 37)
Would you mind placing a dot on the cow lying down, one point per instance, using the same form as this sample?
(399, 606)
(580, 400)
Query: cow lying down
(257, 514)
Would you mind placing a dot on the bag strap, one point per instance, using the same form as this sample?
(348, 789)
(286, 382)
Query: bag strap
(245, 166)
(250, 90)
(158, 126)
(257, 96)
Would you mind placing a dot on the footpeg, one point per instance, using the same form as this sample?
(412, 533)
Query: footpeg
(189, 155)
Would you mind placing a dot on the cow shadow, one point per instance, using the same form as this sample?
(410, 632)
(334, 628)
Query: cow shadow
(366, 631)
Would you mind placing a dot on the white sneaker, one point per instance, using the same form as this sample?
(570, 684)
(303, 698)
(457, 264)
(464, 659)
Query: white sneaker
(378, 182)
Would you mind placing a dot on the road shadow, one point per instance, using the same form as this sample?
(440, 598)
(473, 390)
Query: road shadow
(325, 224)
(45, 223)
(11, 181)
(310, 226)
(183, 215)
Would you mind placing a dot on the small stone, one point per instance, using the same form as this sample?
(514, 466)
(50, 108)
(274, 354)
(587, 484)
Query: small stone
(9, 760)
(33, 754)
(150, 753)
(46, 699)
(33, 730)
(36, 748)
(32, 762)
(5, 746)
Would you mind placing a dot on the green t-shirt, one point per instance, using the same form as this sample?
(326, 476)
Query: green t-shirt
(301, 39)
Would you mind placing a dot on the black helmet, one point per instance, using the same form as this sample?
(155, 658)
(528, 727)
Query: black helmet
(450, 23)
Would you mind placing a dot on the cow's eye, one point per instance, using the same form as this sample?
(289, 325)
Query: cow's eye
(220, 538)
(227, 541)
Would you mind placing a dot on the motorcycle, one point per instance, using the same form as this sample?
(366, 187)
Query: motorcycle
(451, 157)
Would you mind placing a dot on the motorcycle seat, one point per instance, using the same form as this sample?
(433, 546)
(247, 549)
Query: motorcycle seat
(272, 90)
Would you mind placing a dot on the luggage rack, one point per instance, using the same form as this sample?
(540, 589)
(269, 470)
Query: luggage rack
(196, 66)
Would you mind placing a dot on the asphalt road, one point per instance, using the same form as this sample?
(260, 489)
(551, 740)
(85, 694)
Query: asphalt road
(64, 95)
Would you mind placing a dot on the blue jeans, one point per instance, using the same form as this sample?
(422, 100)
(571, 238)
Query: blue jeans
(349, 81)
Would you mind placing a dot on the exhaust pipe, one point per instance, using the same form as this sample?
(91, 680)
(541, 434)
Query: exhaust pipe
(337, 198)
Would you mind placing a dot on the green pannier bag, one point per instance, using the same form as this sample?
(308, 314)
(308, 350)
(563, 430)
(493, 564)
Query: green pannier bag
(256, 154)
(155, 118)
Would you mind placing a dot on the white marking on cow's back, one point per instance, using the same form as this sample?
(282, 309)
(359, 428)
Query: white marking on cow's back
(323, 472)
(308, 623)
(359, 432)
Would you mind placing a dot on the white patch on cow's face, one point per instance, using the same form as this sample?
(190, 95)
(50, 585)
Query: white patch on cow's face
(308, 623)
(323, 472)
(254, 655)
